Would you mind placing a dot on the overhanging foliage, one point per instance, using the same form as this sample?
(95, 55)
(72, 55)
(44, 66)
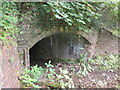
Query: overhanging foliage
(82, 15)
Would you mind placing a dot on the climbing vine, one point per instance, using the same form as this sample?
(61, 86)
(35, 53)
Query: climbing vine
(9, 20)
(78, 14)
(82, 15)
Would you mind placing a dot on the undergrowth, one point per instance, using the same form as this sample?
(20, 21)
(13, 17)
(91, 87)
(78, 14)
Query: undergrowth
(30, 77)
(37, 76)
(107, 63)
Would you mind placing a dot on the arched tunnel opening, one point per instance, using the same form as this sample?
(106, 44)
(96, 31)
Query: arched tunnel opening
(58, 46)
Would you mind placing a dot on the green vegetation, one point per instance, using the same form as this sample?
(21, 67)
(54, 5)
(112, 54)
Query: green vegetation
(82, 15)
(107, 63)
(115, 32)
(62, 77)
(9, 20)
(12, 59)
(30, 77)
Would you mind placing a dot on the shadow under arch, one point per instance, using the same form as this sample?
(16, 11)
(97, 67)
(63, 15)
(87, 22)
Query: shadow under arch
(90, 37)
(44, 34)
(60, 45)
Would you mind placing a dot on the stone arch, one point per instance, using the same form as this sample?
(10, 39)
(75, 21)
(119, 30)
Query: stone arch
(39, 37)
(91, 38)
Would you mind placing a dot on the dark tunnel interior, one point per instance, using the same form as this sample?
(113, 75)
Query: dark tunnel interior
(58, 46)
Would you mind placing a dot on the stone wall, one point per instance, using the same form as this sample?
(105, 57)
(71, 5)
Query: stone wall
(106, 44)
(9, 64)
(31, 34)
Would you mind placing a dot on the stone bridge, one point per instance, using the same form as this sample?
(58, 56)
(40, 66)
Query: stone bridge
(100, 43)
(30, 36)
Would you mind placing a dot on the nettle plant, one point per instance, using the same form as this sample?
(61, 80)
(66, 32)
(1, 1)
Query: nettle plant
(29, 78)
(63, 78)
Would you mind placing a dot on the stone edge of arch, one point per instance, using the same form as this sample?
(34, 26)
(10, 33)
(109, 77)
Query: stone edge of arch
(91, 36)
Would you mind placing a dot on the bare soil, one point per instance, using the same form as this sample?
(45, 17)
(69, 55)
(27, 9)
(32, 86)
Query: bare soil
(98, 79)
(95, 79)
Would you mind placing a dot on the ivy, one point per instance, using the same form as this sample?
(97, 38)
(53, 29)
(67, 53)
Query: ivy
(9, 19)
(81, 15)
(78, 14)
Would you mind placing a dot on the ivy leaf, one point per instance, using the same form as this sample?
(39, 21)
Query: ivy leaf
(81, 21)
(57, 16)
